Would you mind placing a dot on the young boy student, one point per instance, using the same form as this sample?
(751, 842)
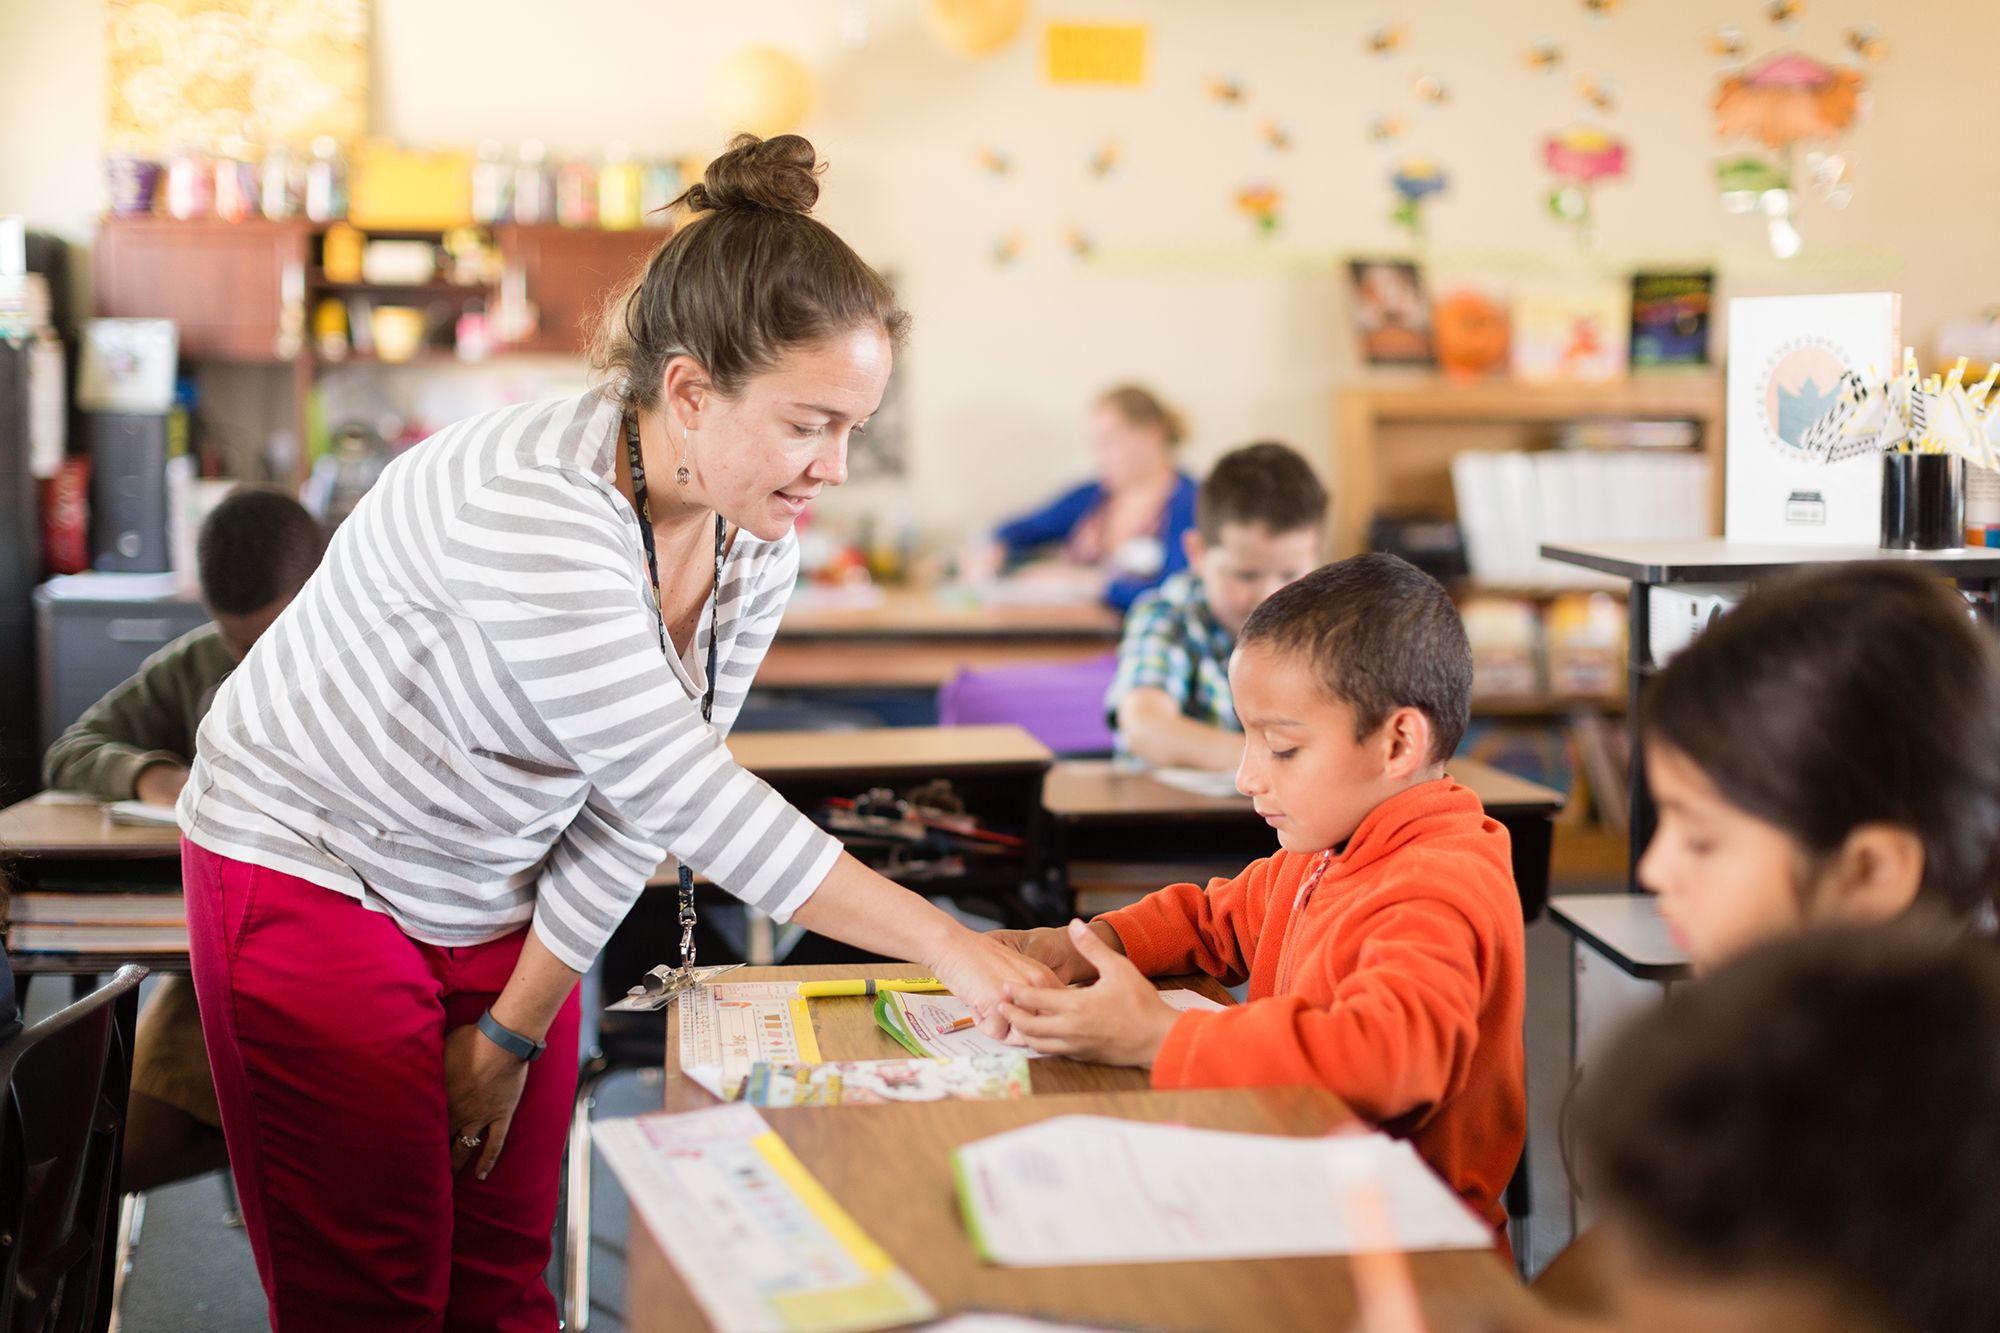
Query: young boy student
(1827, 752)
(1258, 521)
(1807, 1140)
(254, 553)
(1382, 943)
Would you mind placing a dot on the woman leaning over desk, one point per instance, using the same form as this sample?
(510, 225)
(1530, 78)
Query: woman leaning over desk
(435, 786)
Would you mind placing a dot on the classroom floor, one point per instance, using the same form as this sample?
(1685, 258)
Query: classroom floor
(192, 1271)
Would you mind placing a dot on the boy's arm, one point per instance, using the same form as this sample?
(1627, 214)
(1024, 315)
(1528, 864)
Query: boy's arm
(1152, 727)
(141, 723)
(1398, 1036)
(1186, 928)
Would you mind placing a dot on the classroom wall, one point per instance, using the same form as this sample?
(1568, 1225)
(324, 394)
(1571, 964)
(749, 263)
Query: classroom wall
(1249, 336)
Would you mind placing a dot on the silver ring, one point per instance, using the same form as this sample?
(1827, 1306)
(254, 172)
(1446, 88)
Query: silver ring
(469, 1140)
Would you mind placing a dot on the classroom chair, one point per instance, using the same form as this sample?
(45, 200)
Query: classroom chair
(1061, 704)
(62, 1116)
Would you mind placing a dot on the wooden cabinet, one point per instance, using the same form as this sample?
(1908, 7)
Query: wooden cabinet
(566, 273)
(235, 289)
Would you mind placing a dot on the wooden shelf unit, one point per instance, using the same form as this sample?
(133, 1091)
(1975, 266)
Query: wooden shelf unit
(1394, 439)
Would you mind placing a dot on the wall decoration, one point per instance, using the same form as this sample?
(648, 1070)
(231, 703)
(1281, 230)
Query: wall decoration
(1598, 93)
(1103, 159)
(1544, 55)
(974, 27)
(1432, 90)
(1783, 12)
(1391, 315)
(1579, 158)
(1102, 53)
(1386, 39)
(995, 162)
(1728, 43)
(1260, 203)
(1080, 243)
(1384, 129)
(1599, 9)
(1008, 249)
(763, 91)
(198, 72)
(1471, 332)
(1866, 43)
(1224, 91)
(1414, 180)
(1782, 102)
(1275, 136)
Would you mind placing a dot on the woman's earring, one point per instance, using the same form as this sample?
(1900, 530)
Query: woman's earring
(681, 472)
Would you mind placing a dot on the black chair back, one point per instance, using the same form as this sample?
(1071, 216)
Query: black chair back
(62, 1113)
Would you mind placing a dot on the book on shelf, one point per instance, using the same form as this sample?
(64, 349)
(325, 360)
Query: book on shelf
(1571, 333)
(1511, 502)
(1670, 317)
(61, 937)
(97, 909)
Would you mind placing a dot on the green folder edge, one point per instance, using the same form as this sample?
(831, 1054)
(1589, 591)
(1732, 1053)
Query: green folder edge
(885, 1018)
(966, 1209)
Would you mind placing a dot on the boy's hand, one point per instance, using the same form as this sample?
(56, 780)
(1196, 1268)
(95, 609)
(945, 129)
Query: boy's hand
(1051, 947)
(1117, 1020)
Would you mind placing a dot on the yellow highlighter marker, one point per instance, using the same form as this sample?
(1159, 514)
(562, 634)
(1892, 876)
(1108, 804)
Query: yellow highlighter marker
(819, 990)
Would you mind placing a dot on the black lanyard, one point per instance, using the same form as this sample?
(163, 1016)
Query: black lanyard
(687, 917)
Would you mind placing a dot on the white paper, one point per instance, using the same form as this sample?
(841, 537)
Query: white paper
(1093, 1190)
(726, 1028)
(139, 812)
(1002, 1323)
(925, 1018)
(757, 1253)
(1786, 357)
(1198, 781)
(100, 587)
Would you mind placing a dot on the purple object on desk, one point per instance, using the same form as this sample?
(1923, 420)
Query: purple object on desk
(1061, 704)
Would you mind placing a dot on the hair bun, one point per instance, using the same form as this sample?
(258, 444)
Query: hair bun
(781, 174)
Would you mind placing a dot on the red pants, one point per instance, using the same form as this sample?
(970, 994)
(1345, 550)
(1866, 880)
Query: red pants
(326, 1027)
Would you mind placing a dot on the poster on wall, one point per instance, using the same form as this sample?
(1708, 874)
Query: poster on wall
(1786, 357)
(1392, 316)
(208, 71)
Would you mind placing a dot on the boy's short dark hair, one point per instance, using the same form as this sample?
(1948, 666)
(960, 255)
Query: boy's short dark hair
(1263, 483)
(1825, 1108)
(1382, 635)
(257, 547)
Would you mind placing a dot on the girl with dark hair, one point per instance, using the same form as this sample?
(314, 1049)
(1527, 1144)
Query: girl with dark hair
(433, 789)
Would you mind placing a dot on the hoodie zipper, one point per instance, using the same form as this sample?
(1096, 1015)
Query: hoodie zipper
(1307, 887)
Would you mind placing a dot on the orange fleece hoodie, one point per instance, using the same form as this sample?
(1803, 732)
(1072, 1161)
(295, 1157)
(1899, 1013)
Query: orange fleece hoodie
(1396, 982)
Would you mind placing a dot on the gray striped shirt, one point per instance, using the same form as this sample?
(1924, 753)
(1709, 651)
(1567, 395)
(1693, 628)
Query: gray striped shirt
(465, 719)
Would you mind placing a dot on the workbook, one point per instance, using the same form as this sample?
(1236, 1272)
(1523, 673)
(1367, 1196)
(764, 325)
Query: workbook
(1095, 1190)
(1001, 1077)
(935, 1026)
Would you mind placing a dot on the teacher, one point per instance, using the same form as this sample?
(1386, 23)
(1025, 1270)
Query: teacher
(436, 785)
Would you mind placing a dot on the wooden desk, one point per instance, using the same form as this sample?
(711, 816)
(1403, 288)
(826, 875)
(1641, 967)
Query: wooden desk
(1105, 813)
(889, 1166)
(913, 639)
(888, 754)
(53, 827)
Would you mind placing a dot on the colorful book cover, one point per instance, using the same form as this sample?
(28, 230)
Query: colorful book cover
(1786, 357)
(1392, 316)
(1571, 333)
(1670, 318)
(876, 1082)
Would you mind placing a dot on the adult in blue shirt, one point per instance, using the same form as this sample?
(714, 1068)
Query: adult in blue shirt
(1121, 532)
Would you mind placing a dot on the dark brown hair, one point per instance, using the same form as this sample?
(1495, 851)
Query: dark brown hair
(1845, 696)
(256, 547)
(750, 274)
(1381, 634)
(1263, 483)
(1141, 407)
(1824, 1109)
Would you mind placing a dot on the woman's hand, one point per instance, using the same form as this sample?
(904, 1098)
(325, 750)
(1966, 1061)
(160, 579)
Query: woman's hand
(980, 970)
(482, 1086)
(1052, 947)
(1119, 1019)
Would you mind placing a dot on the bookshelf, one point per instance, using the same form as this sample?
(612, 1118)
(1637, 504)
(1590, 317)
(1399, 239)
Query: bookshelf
(1394, 439)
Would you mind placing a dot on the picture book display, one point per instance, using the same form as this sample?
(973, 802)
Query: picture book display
(1571, 333)
(1670, 318)
(1392, 316)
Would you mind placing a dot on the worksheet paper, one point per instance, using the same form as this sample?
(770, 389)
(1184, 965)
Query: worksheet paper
(919, 1023)
(1199, 781)
(728, 1027)
(880, 1082)
(1002, 1323)
(758, 1241)
(1095, 1190)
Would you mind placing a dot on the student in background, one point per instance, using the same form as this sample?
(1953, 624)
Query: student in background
(1382, 944)
(1808, 1139)
(1827, 752)
(1259, 517)
(1122, 533)
(255, 551)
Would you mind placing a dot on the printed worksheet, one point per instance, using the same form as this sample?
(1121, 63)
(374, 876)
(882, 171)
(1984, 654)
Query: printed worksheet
(1096, 1190)
(730, 1026)
(930, 1025)
(760, 1243)
(879, 1082)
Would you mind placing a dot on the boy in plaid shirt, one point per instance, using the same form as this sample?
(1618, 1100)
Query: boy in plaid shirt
(1258, 524)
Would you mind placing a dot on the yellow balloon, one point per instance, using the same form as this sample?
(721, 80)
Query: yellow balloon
(763, 90)
(975, 27)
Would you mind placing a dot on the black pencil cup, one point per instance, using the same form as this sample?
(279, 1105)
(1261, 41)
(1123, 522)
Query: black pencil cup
(1923, 502)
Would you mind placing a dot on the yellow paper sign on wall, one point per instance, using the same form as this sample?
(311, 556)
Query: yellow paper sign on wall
(1113, 53)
